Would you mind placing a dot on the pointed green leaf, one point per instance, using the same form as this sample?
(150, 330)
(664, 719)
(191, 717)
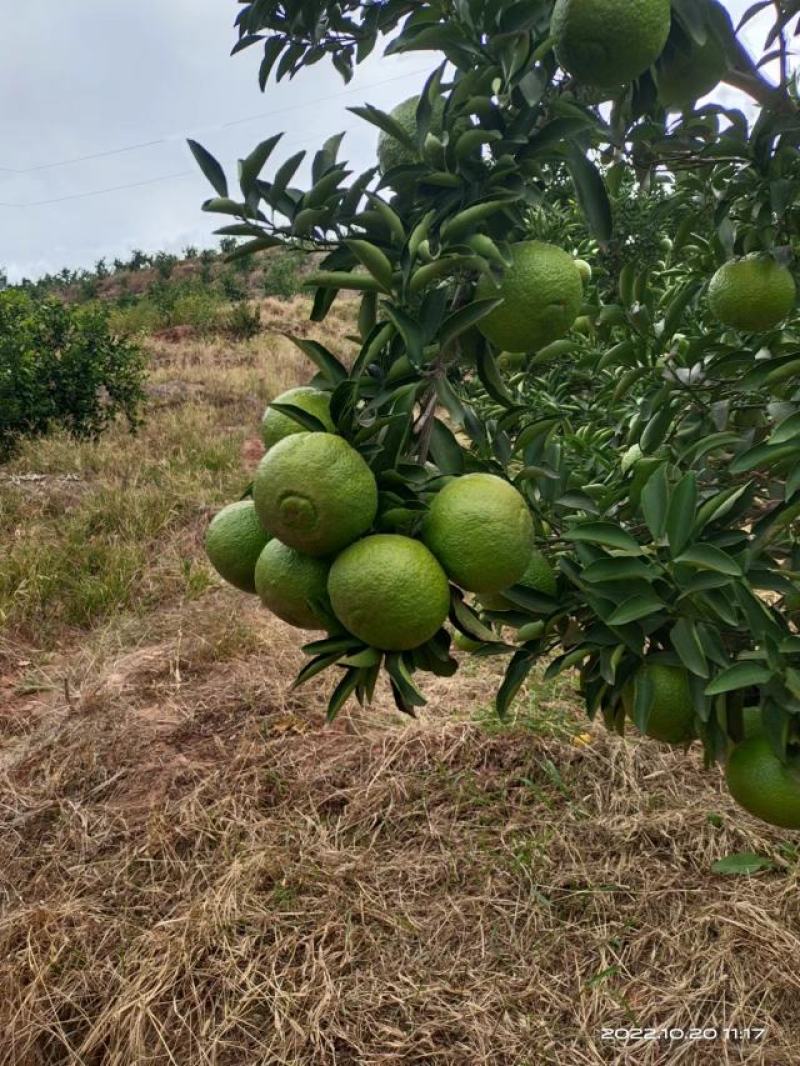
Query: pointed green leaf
(741, 675)
(681, 513)
(210, 167)
(709, 557)
(605, 533)
(634, 608)
(686, 642)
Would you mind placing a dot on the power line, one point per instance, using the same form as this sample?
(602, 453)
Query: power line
(100, 192)
(170, 137)
(139, 184)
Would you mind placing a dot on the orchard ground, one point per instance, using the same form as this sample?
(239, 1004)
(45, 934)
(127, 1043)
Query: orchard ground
(195, 869)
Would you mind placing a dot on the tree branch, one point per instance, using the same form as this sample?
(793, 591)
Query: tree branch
(746, 77)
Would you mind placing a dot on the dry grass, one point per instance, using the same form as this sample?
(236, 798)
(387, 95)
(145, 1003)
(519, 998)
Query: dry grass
(196, 872)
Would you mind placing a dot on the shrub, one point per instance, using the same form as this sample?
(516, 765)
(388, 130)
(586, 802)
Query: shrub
(282, 275)
(197, 309)
(136, 316)
(63, 367)
(242, 322)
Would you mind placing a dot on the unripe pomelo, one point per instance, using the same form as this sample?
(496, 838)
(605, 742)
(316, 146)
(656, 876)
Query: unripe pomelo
(393, 153)
(584, 269)
(294, 586)
(315, 493)
(511, 360)
(753, 294)
(276, 425)
(539, 576)
(480, 529)
(609, 42)
(234, 540)
(389, 591)
(672, 713)
(763, 785)
(542, 294)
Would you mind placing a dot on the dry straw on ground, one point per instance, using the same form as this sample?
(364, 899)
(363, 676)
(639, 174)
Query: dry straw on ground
(194, 871)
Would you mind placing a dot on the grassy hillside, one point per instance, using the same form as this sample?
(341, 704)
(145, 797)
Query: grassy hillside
(195, 870)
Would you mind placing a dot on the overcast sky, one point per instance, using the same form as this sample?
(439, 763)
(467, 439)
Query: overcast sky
(81, 77)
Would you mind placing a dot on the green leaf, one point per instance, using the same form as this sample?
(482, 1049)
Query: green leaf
(410, 330)
(619, 569)
(261, 244)
(655, 501)
(284, 174)
(210, 167)
(709, 557)
(343, 279)
(251, 167)
(447, 453)
(677, 306)
(491, 379)
(634, 608)
(741, 675)
(787, 430)
(460, 321)
(316, 666)
(764, 455)
(686, 642)
(605, 533)
(342, 692)
(384, 122)
(375, 260)
(517, 671)
(363, 659)
(327, 362)
(742, 863)
(467, 621)
(407, 695)
(681, 513)
(591, 192)
(719, 505)
(303, 418)
(465, 221)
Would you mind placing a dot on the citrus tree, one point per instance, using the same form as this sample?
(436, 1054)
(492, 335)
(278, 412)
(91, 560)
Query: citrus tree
(571, 433)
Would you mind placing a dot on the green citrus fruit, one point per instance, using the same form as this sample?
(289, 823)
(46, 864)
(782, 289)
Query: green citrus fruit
(763, 785)
(687, 70)
(542, 294)
(389, 591)
(294, 586)
(234, 540)
(393, 153)
(511, 360)
(276, 425)
(672, 712)
(583, 325)
(609, 42)
(539, 576)
(752, 722)
(752, 294)
(584, 269)
(315, 493)
(480, 529)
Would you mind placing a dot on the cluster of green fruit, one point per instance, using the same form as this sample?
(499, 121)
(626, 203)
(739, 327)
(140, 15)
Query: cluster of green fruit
(757, 779)
(310, 542)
